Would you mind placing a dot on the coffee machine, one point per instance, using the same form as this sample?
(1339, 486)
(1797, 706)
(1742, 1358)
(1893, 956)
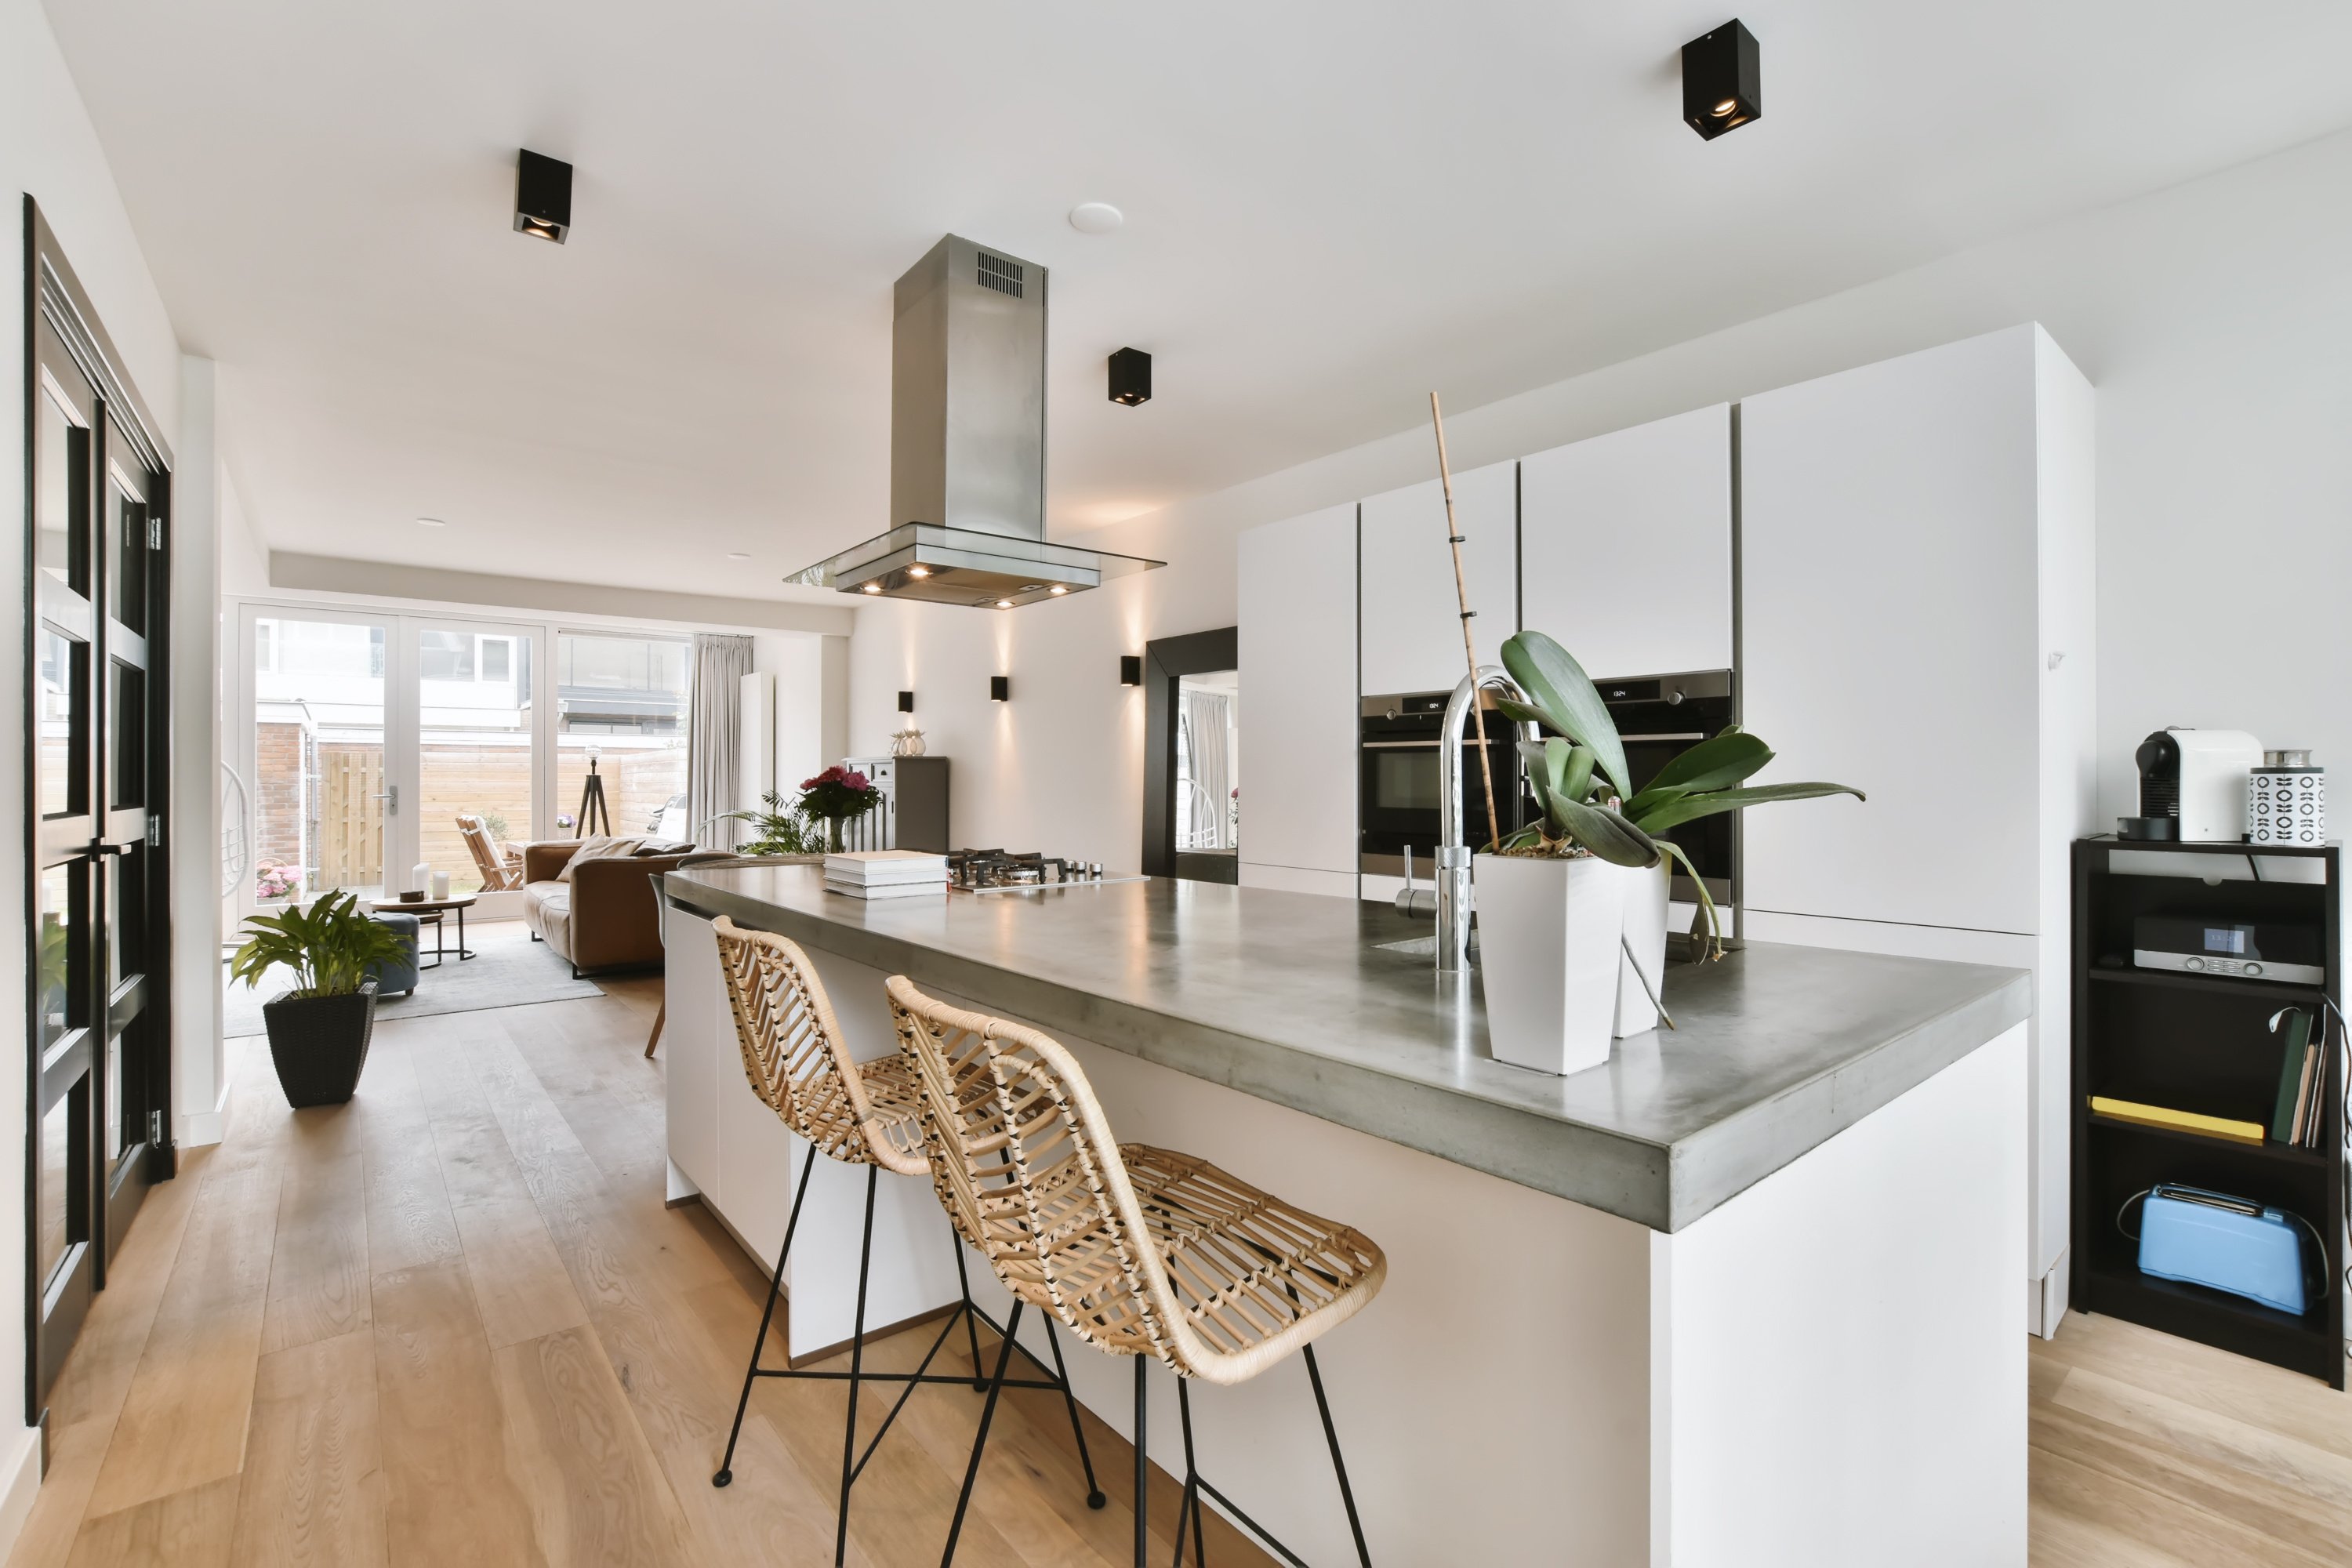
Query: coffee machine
(2192, 786)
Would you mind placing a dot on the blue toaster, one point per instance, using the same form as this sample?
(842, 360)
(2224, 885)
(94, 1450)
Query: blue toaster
(2224, 1243)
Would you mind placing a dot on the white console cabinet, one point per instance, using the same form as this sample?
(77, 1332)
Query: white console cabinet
(1296, 599)
(1917, 613)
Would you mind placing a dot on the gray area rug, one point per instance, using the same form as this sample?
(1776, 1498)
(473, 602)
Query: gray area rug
(509, 971)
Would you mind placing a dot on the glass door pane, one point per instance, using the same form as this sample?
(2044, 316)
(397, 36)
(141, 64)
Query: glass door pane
(322, 793)
(620, 701)
(1208, 763)
(475, 712)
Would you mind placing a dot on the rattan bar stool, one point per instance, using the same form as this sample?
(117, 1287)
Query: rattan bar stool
(1138, 1251)
(860, 1113)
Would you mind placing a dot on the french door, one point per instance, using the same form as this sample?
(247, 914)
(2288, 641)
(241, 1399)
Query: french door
(98, 765)
(367, 738)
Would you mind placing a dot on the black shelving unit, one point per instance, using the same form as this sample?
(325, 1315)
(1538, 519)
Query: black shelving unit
(2198, 1043)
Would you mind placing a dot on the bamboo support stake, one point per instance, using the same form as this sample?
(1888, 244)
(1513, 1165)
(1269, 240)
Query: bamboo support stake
(1462, 598)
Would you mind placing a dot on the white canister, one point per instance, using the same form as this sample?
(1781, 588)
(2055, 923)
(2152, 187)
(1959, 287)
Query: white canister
(2286, 800)
(440, 884)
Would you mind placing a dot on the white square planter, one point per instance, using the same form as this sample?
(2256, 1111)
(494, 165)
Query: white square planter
(1646, 935)
(1547, 943)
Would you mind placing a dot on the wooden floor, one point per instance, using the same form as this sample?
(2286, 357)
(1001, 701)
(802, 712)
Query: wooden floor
(453, 1323)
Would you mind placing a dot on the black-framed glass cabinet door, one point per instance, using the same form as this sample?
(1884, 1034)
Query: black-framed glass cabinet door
(98, 769)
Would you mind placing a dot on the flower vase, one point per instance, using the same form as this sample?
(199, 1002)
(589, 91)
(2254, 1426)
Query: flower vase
(1646, 945)
(1547, 942)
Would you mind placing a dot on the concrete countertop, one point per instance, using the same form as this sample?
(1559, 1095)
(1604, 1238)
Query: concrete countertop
(1290, 997)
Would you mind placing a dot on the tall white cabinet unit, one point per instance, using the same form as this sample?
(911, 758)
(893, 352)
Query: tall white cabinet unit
(1917, 608)
(1411, 633)
(1296, 602)
(1625, 546)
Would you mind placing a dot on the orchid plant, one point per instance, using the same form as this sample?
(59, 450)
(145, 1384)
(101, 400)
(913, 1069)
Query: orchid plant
(1585, 789)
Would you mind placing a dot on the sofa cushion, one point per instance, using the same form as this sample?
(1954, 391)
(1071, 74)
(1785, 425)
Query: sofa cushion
(598, 848)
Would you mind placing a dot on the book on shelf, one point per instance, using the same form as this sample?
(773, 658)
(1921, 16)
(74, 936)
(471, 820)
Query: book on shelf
(2295, 1074)
(2225, 1127)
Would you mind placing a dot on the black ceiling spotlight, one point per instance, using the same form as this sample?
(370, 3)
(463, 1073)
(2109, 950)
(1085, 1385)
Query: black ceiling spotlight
(1130, 670)
(1000, 689)
(905, 702)
(1130, 377)
(542, 196)
(1722, 80)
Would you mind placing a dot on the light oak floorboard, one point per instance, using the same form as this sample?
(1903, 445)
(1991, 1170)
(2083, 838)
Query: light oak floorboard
(314, 1488)
(182, 1529)
(454, 1322)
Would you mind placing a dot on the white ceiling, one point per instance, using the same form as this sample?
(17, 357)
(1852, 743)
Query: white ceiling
(1332, 209)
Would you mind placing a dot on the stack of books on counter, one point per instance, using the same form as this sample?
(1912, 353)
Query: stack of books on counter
(886, 874)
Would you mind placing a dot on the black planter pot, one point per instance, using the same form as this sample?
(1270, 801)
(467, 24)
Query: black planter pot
(320, 1044)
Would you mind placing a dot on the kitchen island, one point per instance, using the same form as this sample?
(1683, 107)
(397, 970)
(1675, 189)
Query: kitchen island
(1745, 1295)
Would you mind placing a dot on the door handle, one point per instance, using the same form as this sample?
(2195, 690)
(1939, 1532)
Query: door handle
(390, 795)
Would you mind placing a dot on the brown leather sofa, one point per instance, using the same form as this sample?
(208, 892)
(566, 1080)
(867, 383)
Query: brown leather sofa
(605, 917)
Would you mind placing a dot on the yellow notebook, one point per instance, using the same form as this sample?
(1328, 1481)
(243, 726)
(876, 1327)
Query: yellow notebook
(2182, 1120)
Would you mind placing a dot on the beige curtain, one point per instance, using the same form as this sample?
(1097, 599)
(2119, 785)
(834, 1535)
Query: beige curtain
(714, 738)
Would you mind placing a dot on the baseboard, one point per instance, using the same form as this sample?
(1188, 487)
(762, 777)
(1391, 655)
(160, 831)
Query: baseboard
(2045, 1299)
(199, 1128)
(20, 1482)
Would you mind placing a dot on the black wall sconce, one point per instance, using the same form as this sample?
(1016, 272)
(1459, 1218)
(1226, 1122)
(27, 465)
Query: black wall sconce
(1130, 670)
(1723, 82)
(1000, 689)
(1130, 377)
(542, 196)
(905, 702)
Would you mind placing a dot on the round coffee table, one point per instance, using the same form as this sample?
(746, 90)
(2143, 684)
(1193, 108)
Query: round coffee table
(428, 912)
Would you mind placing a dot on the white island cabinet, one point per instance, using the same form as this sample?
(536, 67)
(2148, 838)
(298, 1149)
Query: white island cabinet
(1296, 591)
(1916, 547)
(1411, 630)
(1625, 546)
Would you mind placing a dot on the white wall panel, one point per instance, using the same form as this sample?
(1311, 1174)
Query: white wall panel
(1625, 546)
(1411, 627)
(1295, 585)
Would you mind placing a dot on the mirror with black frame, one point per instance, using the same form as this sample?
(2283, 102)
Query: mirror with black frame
(1191, 775)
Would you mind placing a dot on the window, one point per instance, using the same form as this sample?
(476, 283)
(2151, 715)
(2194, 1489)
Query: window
(497, 658)
(625, 697)
(445, 656)
(264, 646)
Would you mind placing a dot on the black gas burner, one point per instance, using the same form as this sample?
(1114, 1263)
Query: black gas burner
(1005, 871)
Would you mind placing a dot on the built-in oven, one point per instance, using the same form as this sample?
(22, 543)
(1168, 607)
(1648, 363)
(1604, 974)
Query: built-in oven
(1397, 780)
(1658, 717)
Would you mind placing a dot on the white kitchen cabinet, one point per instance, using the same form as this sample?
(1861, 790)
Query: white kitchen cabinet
(1917, 544)
(1625, 546)
(1296, 599)
(1412, 628)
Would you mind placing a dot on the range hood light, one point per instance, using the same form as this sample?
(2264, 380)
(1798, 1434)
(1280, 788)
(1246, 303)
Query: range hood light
(967, 446)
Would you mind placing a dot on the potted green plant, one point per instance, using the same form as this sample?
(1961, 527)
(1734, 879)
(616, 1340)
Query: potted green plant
(837, 796)
(318, 1029)
(1572, 909)
(779, 831)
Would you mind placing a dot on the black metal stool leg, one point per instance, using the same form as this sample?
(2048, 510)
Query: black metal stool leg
(1188, 1512)
(856, 1365)
(1338, 1465)
(767, 1315)
(970, 1319)
(1142, 1474)
(1095, 1498)
(978, 1443)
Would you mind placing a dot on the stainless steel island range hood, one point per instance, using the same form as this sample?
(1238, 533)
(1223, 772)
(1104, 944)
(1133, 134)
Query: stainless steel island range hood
(968, 446)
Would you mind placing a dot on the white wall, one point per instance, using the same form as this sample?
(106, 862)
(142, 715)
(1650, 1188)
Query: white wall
(48, 149)
(2213, 318)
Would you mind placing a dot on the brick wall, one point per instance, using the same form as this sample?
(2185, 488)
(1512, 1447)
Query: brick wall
(278, 794)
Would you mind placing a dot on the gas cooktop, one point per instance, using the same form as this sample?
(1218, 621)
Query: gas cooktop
(1012, 871)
